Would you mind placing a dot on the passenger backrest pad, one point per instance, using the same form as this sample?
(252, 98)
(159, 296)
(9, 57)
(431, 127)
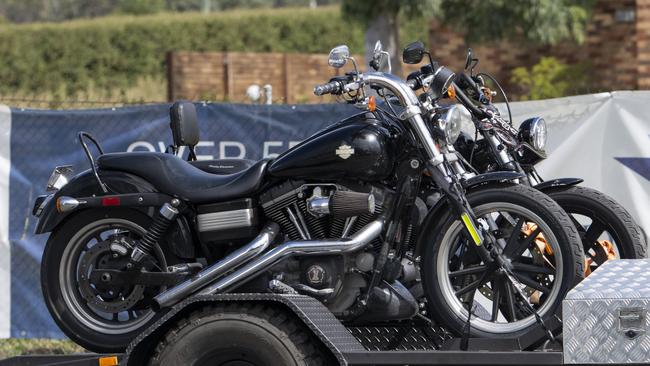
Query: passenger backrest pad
(184, 124)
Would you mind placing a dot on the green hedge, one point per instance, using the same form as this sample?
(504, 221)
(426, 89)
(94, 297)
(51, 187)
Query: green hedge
(114, 52)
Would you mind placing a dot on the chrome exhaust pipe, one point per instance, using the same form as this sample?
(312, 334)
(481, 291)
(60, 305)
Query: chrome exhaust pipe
(211, 273)
(283, 251)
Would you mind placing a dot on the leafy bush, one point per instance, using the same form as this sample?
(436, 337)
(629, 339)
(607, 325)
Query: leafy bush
(115, 52)
(140, 7)
(550, 78)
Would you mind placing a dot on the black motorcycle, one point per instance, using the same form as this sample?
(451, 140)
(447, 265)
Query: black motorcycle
(335, 217)
(607, 230)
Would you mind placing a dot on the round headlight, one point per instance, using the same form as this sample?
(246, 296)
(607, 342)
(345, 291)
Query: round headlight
(533, 131)
(452, 120)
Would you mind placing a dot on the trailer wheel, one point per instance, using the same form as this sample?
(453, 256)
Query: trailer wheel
(240, 334)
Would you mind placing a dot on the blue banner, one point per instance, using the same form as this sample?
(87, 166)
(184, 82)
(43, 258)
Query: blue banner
(43, 139)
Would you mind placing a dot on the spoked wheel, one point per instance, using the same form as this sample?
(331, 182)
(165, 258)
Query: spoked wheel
(92, 310)
(607, 230)
(543, 256)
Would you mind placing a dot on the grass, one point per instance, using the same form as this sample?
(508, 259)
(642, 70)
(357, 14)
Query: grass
(17, 346)
(145, 90)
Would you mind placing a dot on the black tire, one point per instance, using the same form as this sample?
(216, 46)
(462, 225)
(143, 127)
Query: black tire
(92, 339)
(609, 215)
(240, 334)
(548, 211)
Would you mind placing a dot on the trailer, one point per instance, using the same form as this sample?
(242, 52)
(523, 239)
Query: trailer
(605, 322)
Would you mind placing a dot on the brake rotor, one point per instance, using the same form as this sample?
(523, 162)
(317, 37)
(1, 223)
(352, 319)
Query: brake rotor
(603, 251)
(540, 252)
(106, 297)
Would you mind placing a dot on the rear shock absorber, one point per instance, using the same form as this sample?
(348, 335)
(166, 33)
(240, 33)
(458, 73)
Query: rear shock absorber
(160, 224)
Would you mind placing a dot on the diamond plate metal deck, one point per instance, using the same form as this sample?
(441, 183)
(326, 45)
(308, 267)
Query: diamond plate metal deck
(401, 338)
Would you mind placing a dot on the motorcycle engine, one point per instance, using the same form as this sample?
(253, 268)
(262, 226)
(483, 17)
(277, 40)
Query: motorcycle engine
(308, 211)
(318, 211)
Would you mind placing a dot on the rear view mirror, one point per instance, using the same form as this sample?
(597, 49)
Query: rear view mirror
(413, 53)
(339, 56)
(469, 59)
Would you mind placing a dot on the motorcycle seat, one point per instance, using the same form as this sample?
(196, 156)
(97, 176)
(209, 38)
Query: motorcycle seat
(174, 176)
(223, 166)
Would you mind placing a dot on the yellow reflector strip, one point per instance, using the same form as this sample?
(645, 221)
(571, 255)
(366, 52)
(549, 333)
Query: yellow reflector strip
(469, 225)
(108, 361)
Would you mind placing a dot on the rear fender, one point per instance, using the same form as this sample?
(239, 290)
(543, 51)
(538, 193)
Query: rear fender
(84, 185)
(180, 238)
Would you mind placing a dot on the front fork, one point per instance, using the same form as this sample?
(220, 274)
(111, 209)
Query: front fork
(460, 206)
(452, 187)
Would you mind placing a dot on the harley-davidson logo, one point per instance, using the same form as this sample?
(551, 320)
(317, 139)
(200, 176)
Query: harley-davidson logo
(344, 151)
(315, 274)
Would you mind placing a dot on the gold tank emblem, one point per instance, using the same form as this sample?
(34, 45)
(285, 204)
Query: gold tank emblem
(344, 151)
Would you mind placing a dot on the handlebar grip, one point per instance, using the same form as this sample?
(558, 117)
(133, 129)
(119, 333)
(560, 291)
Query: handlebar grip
(414, 80)
(333, 87)
(468, 80)
(472, 84)
(413, 84)
(466, 101)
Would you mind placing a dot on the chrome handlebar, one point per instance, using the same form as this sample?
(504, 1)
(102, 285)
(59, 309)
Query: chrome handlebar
(412, 112)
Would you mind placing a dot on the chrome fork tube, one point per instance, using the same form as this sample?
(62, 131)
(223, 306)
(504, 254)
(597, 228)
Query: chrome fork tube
(501, 153)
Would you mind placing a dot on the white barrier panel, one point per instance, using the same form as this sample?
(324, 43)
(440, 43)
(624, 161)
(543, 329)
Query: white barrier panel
(603, 138)
(5, 252)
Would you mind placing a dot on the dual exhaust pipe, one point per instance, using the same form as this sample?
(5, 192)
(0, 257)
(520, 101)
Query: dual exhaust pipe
(245, 263)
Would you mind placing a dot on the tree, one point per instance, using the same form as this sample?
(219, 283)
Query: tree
(543, 21)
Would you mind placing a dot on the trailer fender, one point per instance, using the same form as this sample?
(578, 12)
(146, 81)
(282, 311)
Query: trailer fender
(316, 317)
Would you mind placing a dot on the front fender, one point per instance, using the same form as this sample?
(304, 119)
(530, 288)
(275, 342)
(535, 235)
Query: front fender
(83, 185)
(485, 178)
(442, 205)
(559, 182)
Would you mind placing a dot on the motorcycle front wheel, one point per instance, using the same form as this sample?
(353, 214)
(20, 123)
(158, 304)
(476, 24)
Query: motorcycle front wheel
(607, 230)
(535, 235)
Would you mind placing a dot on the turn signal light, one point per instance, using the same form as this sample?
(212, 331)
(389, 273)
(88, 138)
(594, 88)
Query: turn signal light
(372, 103)
(451, 92)
(65, 204)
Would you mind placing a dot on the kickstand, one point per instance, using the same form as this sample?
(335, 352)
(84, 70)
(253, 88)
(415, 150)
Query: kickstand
(464, 341)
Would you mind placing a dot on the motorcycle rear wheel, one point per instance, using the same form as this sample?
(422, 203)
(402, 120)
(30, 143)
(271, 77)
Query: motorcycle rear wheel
(606, 219)
(80, 316)
(454, 277)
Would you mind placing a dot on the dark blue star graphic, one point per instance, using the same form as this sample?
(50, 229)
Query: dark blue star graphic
(640, 165)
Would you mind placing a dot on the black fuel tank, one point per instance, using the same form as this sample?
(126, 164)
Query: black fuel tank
(360, 147)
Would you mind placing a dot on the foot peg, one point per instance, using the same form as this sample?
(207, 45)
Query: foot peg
(185, 268)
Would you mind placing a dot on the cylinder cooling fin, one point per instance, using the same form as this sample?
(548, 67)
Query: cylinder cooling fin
(320, 210)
